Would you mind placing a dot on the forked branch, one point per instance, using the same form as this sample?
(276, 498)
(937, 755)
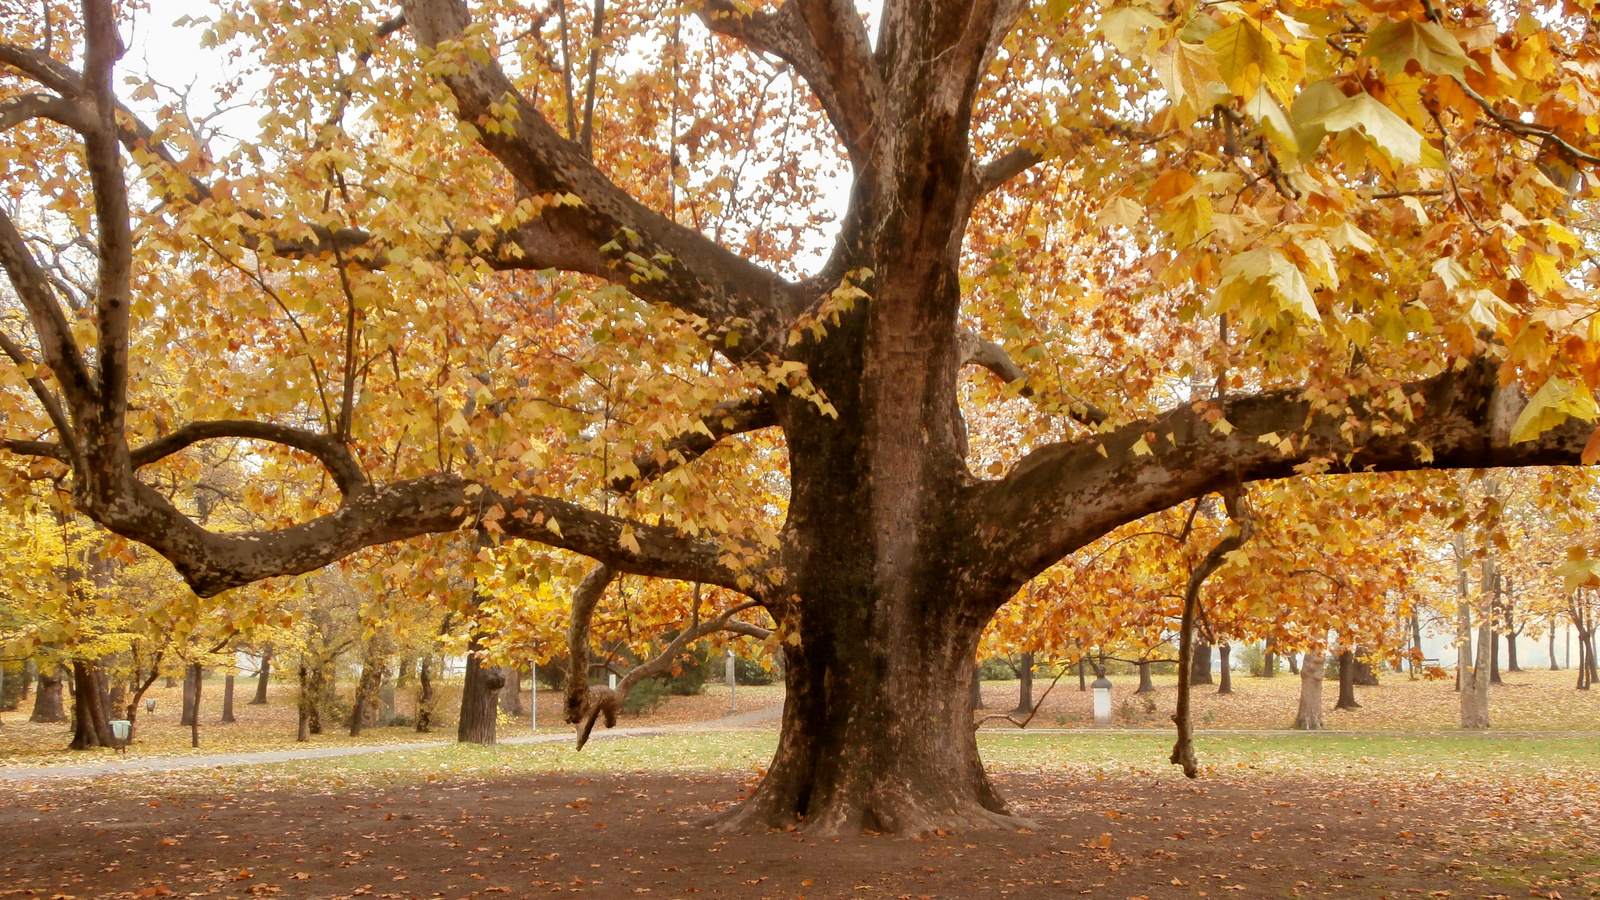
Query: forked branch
(586, 704)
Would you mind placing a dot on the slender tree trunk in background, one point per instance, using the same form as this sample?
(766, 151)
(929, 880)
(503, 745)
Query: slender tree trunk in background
(425, 695)
(1309, 718)
(47, 705)
(977, 688)
(1083, 680)
(1494, 660)
(1269, 660)
(1416, 642)
(1025, 684)
(1225, 681)
(511, 697)
(91, 722)
(1347, 681)
(1200, 671)
(263, 676)
(227, 699)
(303, 704)
(1147, 685)
(1294, 664)
(478, 696)
(196, 673)
(191, 682)
(1554, 666)
(1511, 638)
(30, 674)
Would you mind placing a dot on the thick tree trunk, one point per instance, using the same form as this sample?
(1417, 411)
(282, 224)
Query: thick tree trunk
(1146, 684)
(1309, 718)
(91, 719)
(1025, 684)
(1225, 679)
(364, 706)
(263, 676)
(1347, 681)
(1269, 660)
(47, 705)
(890, 749)
(191, 691)
(227, 700)
(1200, 672)
(478, 699)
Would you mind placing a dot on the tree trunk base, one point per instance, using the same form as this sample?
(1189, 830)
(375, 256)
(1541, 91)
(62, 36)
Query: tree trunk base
(901, 812)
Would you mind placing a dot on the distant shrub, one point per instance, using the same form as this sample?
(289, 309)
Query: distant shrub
(996, 669)
(1250, 658)
(399, 721)
(645, 697)
(752, 671)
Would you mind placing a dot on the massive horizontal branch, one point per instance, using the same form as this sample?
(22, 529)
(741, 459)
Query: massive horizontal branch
(724, 420)
(213, 562)
(1062, 496)
(328, 450)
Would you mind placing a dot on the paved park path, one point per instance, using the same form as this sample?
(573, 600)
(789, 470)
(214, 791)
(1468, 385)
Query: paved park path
(139, 766)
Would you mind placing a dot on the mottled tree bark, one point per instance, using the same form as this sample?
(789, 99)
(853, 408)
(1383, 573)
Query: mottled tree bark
(1312, 671)
(479, 695)
(91, 719)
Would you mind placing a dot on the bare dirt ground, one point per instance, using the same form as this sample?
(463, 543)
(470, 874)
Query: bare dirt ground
(623, 835)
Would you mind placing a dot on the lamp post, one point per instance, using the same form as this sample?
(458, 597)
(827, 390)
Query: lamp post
(1102, 697)
(533, 694)
(733, 704)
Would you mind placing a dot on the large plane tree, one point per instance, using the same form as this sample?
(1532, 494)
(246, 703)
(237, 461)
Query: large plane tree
(575, 277)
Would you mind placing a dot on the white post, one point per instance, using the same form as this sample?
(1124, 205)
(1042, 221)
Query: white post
(611, 679)
(733, 705)
(533, 694)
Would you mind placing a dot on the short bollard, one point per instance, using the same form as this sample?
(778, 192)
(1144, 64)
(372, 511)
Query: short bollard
(1102, 699)
(121, 730)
